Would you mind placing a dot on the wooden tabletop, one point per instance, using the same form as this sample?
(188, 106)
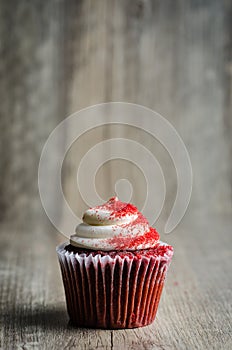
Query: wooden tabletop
(173, 57)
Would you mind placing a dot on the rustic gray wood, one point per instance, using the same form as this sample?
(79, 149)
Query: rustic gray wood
(172, 56)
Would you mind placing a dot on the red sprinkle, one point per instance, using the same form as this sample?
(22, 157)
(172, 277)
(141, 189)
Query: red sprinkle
(118, 208)
(124, 243)
(157, 250)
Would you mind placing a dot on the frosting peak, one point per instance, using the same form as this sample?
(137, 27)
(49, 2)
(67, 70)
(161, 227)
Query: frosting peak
(115, 225)
(110, 213)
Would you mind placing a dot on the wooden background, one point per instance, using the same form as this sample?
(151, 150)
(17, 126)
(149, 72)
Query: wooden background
(172, 56)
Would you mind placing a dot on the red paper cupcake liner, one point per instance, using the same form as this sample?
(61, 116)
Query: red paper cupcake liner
(115, 290)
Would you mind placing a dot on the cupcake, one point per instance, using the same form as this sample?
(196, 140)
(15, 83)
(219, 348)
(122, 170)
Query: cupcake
(113, 268)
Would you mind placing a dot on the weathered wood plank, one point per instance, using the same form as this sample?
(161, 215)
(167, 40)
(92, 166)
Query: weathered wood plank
(58, 57)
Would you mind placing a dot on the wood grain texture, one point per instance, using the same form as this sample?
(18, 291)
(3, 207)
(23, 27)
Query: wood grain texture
(172, 56)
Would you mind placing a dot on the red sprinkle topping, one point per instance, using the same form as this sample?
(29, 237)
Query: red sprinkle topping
(157, 250)
(132, 240)
(123, 243)
(118, 208)
(124, 210)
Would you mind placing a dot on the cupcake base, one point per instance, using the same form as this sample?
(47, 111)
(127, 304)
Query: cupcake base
(113, 290)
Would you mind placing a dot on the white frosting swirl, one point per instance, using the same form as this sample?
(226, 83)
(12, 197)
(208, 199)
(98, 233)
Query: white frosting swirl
(103, 215)
(113, 226)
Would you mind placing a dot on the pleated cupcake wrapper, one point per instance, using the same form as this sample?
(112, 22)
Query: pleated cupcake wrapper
(106, 292)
